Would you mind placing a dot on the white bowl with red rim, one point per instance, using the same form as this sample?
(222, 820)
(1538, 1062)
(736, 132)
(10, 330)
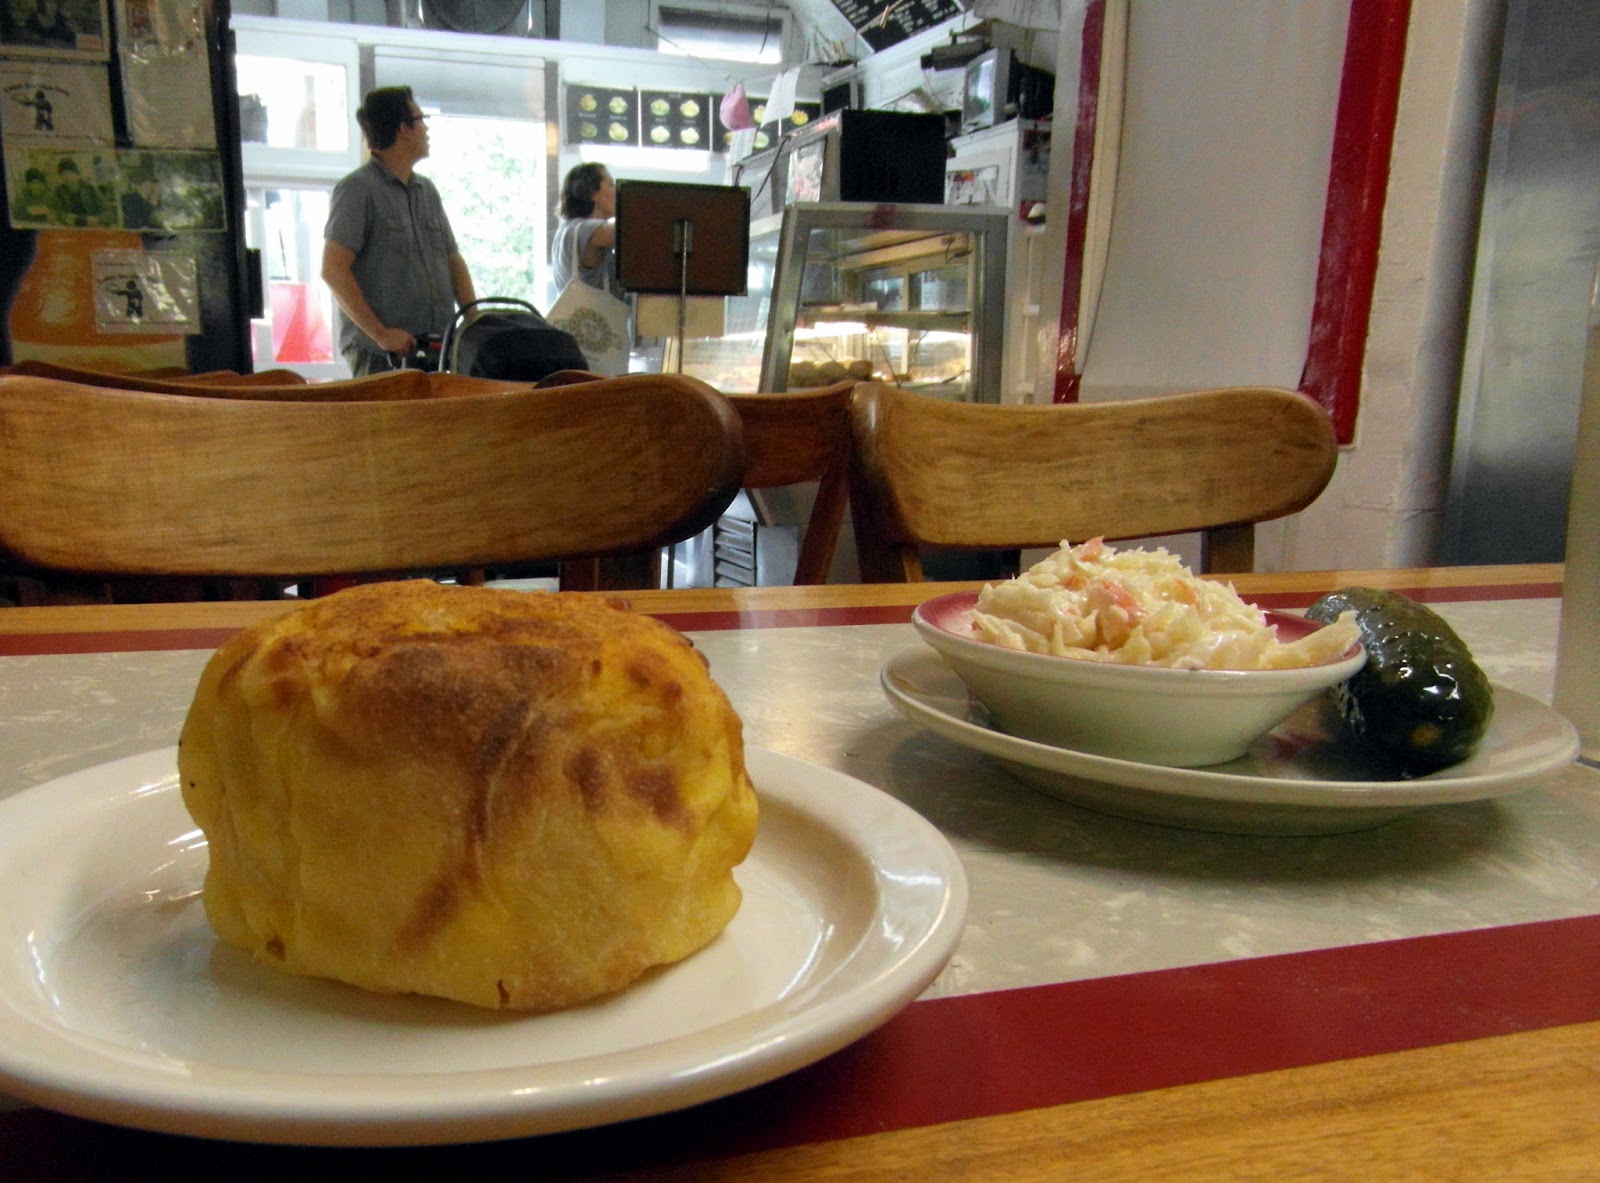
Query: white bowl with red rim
(1154, 714)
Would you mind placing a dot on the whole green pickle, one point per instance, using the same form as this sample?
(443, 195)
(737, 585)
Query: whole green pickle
(1420, 703)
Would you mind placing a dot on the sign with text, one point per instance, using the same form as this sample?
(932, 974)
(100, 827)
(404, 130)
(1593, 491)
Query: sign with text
(883, 23)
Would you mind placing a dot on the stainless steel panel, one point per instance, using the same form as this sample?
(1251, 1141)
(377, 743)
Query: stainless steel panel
(1538, 243)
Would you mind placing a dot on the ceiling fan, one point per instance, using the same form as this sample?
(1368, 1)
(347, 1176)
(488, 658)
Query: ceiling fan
(512, 18)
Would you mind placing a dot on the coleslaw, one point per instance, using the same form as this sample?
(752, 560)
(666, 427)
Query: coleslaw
(1142, 607)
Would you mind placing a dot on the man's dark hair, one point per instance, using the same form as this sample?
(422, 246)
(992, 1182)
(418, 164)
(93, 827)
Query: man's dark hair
(382, 113)
(579, 189)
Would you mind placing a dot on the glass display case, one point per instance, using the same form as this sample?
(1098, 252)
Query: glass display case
(910, 294)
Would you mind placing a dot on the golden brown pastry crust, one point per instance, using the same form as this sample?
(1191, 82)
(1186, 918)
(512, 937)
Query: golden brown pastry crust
(514, 799)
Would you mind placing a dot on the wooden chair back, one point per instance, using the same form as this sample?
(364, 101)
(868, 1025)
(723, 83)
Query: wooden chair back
(275, 377)
(164, 378)
(569, 378)
(135, 482)
(795, 438)
(791, 438)
(975, 476)
(394, 384)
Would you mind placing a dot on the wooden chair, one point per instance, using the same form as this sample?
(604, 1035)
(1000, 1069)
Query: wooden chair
(133, 482)
(973, 476)
(795, 438)
(792, 438)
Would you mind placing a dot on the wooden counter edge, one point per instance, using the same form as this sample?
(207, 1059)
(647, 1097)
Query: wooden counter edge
(1522, 1106)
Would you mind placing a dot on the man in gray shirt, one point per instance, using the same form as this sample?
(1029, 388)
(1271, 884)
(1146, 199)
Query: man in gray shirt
(389, 255)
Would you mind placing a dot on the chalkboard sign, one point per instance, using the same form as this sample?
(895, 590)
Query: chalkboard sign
(883, 23)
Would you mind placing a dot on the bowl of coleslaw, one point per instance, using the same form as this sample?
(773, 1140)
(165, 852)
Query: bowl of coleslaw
(1128, 654)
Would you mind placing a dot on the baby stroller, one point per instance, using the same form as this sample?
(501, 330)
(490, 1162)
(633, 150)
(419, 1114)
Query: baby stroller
(512, 343)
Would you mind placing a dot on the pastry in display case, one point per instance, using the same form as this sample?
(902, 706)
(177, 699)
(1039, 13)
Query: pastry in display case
(908, 294)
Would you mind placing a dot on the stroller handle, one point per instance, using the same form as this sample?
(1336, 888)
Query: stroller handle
(450, 344)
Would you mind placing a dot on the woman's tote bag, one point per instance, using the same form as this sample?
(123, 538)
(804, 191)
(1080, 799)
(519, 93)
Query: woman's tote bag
(597, 320)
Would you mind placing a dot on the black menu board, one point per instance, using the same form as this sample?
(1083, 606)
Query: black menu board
(675, 119)
(599, 115)
(883, 23)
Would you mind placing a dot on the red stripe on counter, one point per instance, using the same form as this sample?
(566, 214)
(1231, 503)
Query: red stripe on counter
(1424, 595)
(151, 640)
(129, 641)
(142, 640)
(786, 618)
(981, 1055)
(985, 1054)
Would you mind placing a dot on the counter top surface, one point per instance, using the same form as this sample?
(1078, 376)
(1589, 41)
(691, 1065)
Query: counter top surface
(1113, 975)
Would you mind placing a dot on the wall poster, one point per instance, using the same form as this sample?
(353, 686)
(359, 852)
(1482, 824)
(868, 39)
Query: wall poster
(55, 28)
(166, 73)
(172, 191)
(66, 102)
(112, 189)
(145, 292)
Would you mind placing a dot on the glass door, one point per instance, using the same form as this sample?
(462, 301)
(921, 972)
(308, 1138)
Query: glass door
(297, 98)
(297, 332)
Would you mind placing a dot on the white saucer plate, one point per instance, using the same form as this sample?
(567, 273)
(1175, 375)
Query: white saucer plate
(1294, 780)
(118, 1004)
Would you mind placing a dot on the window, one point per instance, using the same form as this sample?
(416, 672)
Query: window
(490, 175)
(302, 105)
(297, 101)
(735, 33)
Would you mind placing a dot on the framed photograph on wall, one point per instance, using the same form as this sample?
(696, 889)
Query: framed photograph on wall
(55, 28)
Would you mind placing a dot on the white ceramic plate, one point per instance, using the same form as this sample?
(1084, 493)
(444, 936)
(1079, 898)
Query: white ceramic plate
(1294, 780)
(116, 1002)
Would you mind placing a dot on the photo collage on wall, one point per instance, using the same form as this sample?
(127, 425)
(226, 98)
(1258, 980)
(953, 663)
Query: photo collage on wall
(78, 156)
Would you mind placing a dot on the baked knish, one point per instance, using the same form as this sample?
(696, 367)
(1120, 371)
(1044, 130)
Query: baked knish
(513, 799)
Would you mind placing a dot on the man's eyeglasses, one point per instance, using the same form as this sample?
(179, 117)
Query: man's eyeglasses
(413, 120)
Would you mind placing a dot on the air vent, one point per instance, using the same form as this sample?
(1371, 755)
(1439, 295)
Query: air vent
(502, 18)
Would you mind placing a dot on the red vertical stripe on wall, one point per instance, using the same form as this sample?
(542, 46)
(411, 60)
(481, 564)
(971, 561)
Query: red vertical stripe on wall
(1066, 377)
(1352, 227)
